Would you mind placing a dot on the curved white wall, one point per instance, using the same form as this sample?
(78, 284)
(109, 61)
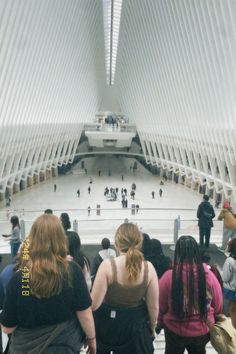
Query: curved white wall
(52, 63)
(177, 78)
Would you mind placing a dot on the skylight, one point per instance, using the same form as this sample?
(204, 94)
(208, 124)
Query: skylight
(111, 17)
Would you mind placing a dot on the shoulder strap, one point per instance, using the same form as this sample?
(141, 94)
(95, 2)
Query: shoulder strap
(145, 275)
(114, 270)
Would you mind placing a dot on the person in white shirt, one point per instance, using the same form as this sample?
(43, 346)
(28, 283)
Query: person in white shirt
(229, 280)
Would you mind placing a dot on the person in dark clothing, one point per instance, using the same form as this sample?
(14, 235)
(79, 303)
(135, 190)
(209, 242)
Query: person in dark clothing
(54, 300)
(205, 214)
(160, 192)
(89, 210)
(105, 253)
(48, 211)
(89, 190)
(153, 194)
(78, 193)
(160, 262)
(146, 246)
(132, 194)
(55, 187)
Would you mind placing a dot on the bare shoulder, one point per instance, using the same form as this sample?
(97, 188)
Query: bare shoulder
(105, 267)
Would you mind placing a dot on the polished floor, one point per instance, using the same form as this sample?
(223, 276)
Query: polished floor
(155, 216)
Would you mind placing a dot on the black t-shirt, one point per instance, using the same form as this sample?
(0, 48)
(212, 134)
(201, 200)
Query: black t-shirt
(31, 312)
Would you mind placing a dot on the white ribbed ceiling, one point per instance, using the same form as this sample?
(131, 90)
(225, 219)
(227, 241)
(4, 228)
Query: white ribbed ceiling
(176, 63)
(49, 64)
(176, 75)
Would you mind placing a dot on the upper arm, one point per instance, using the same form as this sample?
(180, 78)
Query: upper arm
(164, 293)
(100, 285)
(9, 312)
(217, 297)
(213, 213)
(199, 212)
(81, 297)
(152, 294)
(227, 271)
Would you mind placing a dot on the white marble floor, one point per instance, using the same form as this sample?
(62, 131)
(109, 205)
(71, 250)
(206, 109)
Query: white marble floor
(155, 216)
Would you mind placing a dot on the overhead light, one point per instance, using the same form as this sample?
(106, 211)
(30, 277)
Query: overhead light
(111, 17)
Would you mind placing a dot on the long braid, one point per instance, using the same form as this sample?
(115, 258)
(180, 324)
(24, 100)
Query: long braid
(187, 252)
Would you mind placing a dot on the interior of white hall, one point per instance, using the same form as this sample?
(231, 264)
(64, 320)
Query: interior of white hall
(165, 68)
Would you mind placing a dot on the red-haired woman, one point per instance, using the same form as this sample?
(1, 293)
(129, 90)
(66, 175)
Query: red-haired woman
(47, 300)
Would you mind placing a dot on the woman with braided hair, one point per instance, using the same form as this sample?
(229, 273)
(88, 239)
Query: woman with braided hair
(189, 295)
(125, 297)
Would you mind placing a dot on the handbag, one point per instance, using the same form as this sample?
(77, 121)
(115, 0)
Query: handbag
(222, 335)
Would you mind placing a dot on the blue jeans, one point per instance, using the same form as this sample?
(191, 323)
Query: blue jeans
(14, 248)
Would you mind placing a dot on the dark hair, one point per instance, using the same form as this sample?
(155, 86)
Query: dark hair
(187, 252)
(206, 197)
(205, 257)
(156, 247)
(147, 246)
(65, 220)
(74, 245)
(48, 211)
(232, 248)
(105, 243)
(15, 221)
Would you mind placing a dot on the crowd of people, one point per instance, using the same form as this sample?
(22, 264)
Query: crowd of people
(54, 301)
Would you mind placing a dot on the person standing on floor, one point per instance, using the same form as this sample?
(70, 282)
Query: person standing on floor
(205, 214)
(99, 173)
(89, 190)
(229, 281)
(137, 208)
(132, 194)
(55, 187)
(153, 194)
(160, 192)
(106, 253)
(78, 193)
(15, 237)
(89, 210)
(229, 227)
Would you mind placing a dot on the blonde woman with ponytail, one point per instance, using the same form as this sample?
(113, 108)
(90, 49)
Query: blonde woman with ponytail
(125, 297)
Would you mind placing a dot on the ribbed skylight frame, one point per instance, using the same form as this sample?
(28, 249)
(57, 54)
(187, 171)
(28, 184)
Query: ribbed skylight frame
(111, 18)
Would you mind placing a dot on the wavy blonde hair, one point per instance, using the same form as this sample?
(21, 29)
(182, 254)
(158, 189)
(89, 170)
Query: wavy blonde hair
(48, 265)
(128, 240)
